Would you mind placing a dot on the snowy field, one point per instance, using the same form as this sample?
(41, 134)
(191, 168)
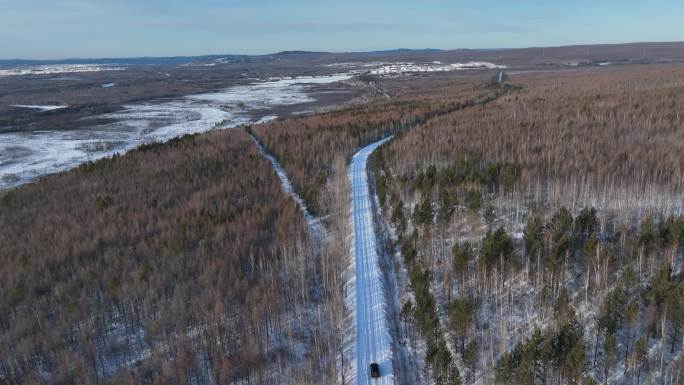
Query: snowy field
(58, 69)
(25, 156)
(400, 68)
(275, 92)
(373, 343)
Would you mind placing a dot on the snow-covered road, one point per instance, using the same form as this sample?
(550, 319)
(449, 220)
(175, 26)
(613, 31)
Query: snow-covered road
(373, 342)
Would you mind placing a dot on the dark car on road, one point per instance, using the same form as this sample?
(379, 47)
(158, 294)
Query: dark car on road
(375, 370)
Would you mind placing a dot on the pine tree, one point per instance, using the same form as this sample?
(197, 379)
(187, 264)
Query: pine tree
(497, 246)
(561, 237)
(533, 237)
(460, 318)
(610, 352)
(676, 306)
(398, 217)
(446, 206)
(461, 256)
(586, 223)
(640, 355)
(407, 313)
(422, 213)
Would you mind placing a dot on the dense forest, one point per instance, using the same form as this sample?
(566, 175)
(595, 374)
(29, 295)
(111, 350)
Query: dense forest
(541, 233)
(307, 147)
(534, 229)
(165, 265)
(605, 138)
(311, 149)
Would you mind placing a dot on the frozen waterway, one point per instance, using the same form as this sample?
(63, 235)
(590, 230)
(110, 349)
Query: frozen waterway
(26, 156)
(373, 343)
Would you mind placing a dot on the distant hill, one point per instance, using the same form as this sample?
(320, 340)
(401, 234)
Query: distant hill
(173, 60)
(577, 54)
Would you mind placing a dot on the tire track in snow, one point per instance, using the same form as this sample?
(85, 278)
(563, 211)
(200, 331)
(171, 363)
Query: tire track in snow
(373, 342)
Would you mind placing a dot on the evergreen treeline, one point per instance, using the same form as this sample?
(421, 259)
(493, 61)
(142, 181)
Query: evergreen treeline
(606, 300)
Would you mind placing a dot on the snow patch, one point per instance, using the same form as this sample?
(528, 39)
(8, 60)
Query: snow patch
(28, 155)
(400, 68)
(41, 108)
(266, 119)
(58, 69)
(275, 92)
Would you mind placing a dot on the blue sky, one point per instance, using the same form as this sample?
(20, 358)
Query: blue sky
(117, 28)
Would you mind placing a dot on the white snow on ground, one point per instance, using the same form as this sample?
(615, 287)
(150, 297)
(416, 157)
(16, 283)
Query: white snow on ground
(26, 156)
(198, 65)
(357, 64)
(382, 68)
(58, 69)
(161, 122)
(400, 68)
(318, 231)
(41, 108)
(266, 119)
(373, 343)
(275, 92)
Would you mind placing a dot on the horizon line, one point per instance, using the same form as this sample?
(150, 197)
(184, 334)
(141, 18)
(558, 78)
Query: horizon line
(336, 52)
